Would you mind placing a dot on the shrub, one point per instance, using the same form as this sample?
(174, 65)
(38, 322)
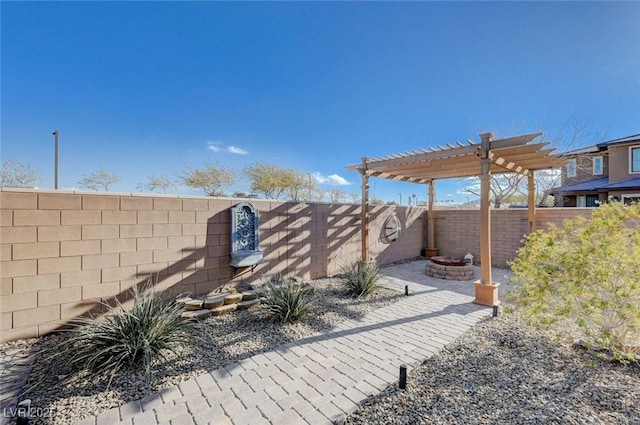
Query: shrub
(587, 271)
(286, 301)
(360, 277)
(127, 340)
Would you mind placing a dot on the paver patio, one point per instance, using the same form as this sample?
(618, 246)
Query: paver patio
(321, 378)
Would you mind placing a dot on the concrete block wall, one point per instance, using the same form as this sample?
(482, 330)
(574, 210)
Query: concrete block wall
(63, 252)
(458, 231)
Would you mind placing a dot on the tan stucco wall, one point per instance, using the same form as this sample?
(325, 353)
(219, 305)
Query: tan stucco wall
(619, 163)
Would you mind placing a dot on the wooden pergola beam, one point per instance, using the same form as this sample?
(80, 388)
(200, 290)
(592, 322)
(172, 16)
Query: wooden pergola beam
(511, 166)
(512, 154)
(419, 157)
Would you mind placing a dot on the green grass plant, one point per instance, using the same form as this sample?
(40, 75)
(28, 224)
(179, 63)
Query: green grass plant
(286, 301)
(360, 277)
(123, 339)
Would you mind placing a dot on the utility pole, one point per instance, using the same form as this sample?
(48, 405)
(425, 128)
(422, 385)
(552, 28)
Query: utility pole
(400, 194)
(56, 133)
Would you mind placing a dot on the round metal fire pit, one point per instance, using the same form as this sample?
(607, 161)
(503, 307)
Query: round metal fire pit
(449, 261)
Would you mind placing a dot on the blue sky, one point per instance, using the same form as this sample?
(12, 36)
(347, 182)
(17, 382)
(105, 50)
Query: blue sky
(143, 88)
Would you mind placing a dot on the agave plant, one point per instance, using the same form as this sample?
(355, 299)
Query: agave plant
(127, 340)
(285, 300)
(360, 277)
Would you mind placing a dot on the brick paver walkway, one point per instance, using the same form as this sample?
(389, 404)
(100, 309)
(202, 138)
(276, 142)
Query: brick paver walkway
(319, 379)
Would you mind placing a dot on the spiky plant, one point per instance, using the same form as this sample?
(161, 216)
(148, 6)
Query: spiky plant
(127, 340)
(360, 277)
(286, 301)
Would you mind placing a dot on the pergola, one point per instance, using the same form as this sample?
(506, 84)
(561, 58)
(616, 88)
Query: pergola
(511, 155)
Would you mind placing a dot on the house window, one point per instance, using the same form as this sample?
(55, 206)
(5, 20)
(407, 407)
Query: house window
(571, 168)
(597, 165)
(634, 156)
(582, 201)
(629, 199)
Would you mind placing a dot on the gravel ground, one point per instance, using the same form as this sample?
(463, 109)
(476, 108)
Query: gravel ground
(229, 338)
(502, 372)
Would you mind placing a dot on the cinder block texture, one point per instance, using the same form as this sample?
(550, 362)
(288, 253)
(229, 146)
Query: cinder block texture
(63, 252)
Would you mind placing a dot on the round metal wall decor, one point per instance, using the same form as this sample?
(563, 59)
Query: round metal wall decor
(391, 229)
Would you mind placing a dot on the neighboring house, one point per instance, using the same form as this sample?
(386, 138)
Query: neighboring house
(596, 173)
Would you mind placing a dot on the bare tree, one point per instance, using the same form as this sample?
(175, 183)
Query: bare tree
(18, 174)
(337, 195)
(214, 181)
(574, 132)
(503, 187)
(158, 182)
(301, 185)
(353, 197)
(274, 181)
(266, 179)
(99, 180)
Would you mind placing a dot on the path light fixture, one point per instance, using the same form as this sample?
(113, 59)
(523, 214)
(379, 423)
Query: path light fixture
(402, 382)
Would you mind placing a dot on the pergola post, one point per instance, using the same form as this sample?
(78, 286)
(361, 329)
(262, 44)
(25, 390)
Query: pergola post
(512, 154)
(486, 290)
(531, 187)
(365, 211)
(431, 232)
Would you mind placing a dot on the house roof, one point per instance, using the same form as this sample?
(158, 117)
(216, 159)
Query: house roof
(633, 183)
(624, 140)
(603, 145)
(588, 149)
(601, 184)
(588, 186)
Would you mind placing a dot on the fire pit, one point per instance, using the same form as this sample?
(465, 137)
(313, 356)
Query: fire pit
(449, 261)
(449, 268)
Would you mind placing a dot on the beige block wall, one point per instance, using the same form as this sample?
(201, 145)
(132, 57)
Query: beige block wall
(62, 252)
(457, 232)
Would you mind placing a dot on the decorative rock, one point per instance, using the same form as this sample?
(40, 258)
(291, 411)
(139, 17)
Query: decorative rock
(193, 305)
(196, 314)
(224, 309)
(245, 305)
(214, 302)
(232, 298)
(251, 295)
(182, 300)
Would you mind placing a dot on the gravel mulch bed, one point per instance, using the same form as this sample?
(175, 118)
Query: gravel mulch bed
(228, 339)
(502, 372)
